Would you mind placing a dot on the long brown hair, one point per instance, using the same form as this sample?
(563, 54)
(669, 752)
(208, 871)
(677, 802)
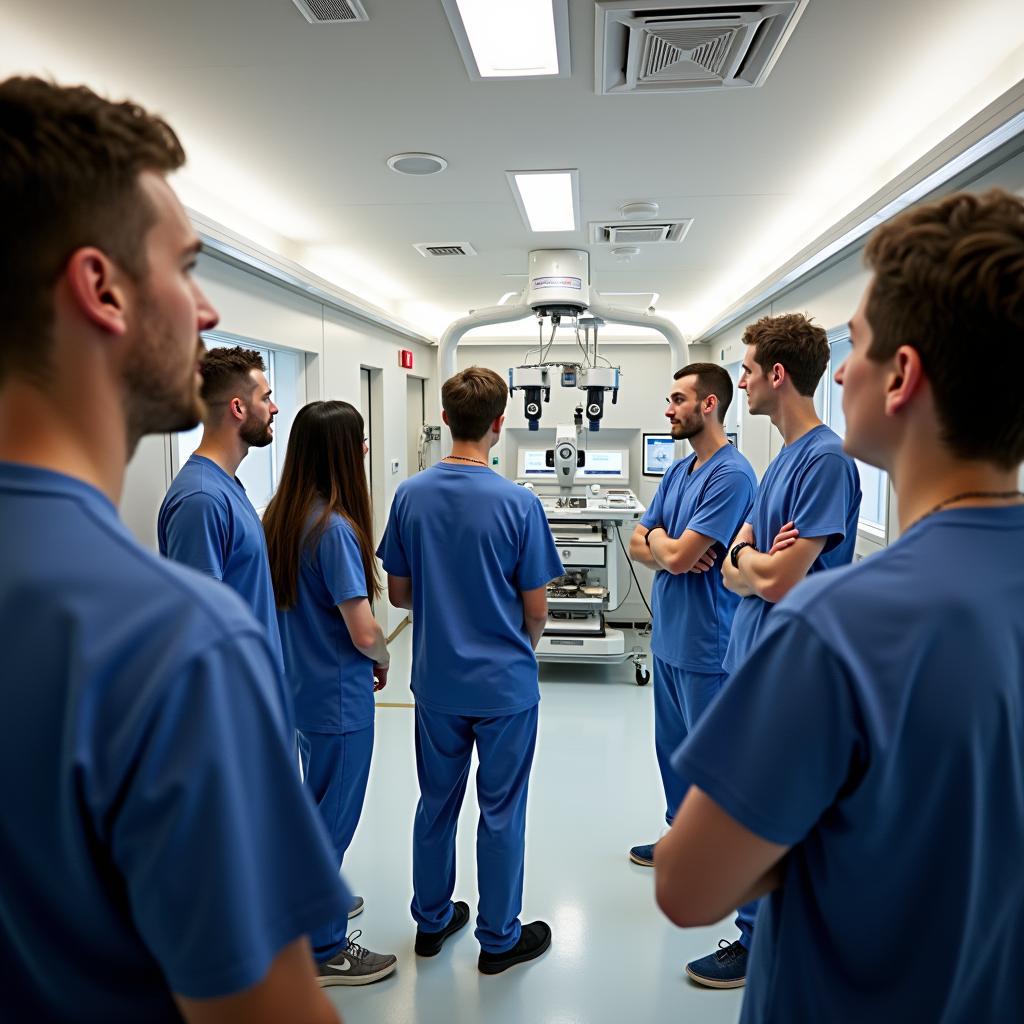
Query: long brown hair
(324, 462)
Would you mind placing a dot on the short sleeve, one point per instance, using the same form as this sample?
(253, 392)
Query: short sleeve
(724, 506)
(220, 848)
(782, 739)
(392, 551)
(341, 563)
(825, 494)
(197, 534)
(653, 516)
(538, 563)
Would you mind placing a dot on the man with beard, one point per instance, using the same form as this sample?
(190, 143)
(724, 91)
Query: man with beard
(700, 504)
(207, 520)
(139, 706)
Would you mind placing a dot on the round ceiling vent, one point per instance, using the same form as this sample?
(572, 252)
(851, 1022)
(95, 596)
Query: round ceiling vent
(625, 253)
(417, 163)
(638, 211)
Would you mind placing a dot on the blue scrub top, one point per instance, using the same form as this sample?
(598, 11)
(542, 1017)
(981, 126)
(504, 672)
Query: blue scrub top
(155, 836)
(472, 542)
(881, 724)
(208, 522)
(693, 612)
(332, 680)
(813, 483)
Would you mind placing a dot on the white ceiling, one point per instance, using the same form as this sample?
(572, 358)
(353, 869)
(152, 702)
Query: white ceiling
(288, 127)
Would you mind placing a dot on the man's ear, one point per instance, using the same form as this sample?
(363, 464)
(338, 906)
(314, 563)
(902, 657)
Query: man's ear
(778, 375)
(904, 379)
(97, 289)
(498, 424)
(444, 418)
(237, 409)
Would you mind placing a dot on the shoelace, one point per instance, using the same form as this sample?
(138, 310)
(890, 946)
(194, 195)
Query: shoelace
(727, 950)
(353, 949)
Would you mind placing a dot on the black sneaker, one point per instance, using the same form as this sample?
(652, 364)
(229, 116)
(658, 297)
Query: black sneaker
(725, 969)
(430, 943)
(355, 965)
(357, 907)
(533, 940)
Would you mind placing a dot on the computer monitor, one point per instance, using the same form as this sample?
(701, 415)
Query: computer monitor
(604, 465)
(532, 464)
(659, 453)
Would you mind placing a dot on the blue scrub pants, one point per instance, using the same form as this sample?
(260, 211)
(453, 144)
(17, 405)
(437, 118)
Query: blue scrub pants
(336, 768)
(444, 746)
(680, 699)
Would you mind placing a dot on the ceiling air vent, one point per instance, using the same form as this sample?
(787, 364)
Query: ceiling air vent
(331, 12)
(460, 249)
(667, 46)
(632, 233)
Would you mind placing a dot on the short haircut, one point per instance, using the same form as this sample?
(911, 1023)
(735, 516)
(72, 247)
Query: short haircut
(473, 399)
(792, 340)
(69, 168)
(712, 379)
(949, 282)
(226, 373)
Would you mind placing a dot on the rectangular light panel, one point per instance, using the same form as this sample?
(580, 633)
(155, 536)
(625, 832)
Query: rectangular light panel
(547, 199)
(511, 38)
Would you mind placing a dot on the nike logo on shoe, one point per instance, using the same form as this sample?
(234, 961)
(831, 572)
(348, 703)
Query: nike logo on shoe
(347, 965)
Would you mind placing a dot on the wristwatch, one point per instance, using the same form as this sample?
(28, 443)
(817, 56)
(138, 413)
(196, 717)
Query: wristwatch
(647, 535)
(734, 554)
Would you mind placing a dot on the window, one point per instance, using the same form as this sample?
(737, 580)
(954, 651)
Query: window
(874, 482)
(260, 469)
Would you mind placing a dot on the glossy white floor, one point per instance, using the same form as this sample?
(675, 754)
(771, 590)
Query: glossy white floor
(594, 793)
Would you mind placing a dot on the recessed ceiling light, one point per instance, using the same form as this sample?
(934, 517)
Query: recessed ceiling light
(547, 200)
(511, 38)
(417, 163)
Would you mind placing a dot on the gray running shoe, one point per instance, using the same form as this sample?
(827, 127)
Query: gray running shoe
(355, 965)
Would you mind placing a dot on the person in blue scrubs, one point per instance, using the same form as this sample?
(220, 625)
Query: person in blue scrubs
(160, 859)
(804, 520)
(319, 538)
(879, 797)
(702, 501)
(207, 520)
(471, 554)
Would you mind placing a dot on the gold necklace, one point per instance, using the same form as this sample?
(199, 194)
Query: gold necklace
(963, 496)
(463, 458)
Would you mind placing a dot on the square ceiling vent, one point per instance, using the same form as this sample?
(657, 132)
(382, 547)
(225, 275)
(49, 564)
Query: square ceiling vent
(639, 232)
(331, 12)
(667, 46)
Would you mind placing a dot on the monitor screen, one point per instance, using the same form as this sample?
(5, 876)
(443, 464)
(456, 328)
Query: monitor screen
(659, 453)
(604, 465)
(532, 463)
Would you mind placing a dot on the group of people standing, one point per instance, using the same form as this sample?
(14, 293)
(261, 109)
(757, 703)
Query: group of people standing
(848, 749)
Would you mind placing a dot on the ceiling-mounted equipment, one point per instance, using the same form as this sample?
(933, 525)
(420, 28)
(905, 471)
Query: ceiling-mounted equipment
(669, 46)
(444, 249)
(639, 211)
(558, 282)
(638, 232)
(332, 12)
(418, 164)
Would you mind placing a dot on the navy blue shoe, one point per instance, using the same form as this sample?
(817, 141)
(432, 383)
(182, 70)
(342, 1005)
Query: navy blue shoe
(430, 943)
(643, 855)
(726, 968)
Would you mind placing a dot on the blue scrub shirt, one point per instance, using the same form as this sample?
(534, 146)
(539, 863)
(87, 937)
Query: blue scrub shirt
(693, 612)
(814, 484)
(208, 522)
(472, 542)
(332, 681)
(881, 723)
(154, 836)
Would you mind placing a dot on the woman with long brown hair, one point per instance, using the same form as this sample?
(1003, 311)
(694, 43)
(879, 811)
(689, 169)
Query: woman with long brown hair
(319, 539)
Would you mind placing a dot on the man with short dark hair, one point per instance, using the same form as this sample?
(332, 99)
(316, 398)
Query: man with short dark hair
(702, 501)
(207, 520)
(878, 795)
(159, 857)
(471, 555)
(804, 520)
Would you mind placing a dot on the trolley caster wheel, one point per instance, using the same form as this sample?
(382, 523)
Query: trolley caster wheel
(643, 677)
